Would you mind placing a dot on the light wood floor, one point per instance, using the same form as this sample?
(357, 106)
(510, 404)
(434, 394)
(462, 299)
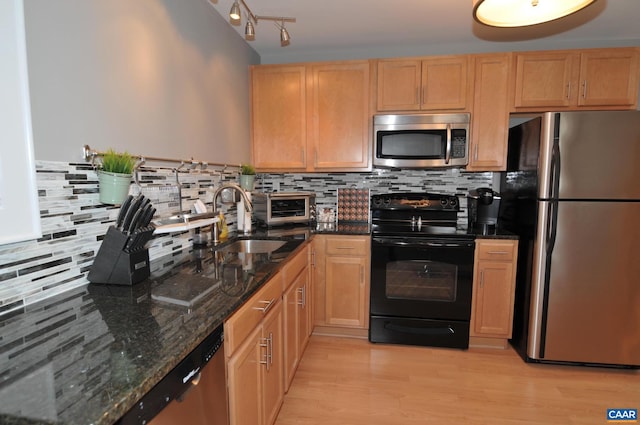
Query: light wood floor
(351, 382)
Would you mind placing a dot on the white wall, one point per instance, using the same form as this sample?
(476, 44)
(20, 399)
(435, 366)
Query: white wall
(160, 78)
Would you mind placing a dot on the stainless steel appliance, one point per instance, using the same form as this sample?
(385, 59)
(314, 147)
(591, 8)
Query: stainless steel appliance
(421, 140)
(281, 208)
(194, 392)
(572, 193)
(483, 205)
(421, 271)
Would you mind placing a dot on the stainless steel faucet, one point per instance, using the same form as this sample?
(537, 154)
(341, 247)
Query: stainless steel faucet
(248, 206)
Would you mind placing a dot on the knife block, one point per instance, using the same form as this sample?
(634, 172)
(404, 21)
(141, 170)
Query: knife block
(114, 265)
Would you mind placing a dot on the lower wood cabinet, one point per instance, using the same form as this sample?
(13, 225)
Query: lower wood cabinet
(255, 360)
(341, 286)
(493, 291)
(297, 313)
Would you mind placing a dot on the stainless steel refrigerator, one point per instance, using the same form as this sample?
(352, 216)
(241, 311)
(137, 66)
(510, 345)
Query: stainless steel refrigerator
(572, 194)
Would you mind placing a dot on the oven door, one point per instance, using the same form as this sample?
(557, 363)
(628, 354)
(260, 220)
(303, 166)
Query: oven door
(421, 291)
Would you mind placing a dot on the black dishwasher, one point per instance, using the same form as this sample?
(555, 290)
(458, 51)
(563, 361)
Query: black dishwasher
(193, 392)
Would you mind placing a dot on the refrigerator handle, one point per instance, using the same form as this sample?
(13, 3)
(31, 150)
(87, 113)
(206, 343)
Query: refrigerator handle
(553, 204)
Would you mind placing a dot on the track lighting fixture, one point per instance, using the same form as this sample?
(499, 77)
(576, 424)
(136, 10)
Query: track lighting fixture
(235, 17)
(521, 13)
(235, 13)
(285, 39)
(249, 31)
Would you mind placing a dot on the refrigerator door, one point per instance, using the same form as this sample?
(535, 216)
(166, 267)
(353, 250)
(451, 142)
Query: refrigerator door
(599, 155)
(586, 288)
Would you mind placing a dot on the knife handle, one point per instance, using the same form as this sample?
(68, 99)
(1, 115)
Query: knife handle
(123, 211)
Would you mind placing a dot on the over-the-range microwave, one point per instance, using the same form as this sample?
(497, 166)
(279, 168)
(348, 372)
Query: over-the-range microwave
(421, 140)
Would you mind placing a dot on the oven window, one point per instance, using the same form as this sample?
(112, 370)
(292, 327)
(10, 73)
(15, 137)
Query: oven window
(421, 280)
(282, 208)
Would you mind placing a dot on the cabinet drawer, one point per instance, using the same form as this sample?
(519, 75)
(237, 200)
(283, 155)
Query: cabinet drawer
(496, 250)
(347, 246)
(247, 317)
(294, 266)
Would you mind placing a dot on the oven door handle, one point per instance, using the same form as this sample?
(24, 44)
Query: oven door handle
(423, 243)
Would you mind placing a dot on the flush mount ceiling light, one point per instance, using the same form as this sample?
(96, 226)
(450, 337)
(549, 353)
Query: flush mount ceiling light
(249, 30)
(521, 13)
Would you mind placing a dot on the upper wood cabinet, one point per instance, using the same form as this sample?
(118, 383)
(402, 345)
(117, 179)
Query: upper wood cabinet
(338, 107)
(278, 116)
(490, 114)
(311, 117)
(429, 84)
(575, 79)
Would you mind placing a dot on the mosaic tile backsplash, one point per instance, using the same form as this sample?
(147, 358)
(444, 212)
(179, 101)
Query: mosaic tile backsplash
(74, 221)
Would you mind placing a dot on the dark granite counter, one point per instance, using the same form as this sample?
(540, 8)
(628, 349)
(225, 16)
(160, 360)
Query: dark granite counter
(87, 355)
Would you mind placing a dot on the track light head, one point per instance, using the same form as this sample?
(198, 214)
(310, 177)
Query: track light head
(249, 31)
(234, 13)
(285, 39)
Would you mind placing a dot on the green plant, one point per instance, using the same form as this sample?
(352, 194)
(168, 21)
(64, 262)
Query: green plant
(247, 170)
(114, 162)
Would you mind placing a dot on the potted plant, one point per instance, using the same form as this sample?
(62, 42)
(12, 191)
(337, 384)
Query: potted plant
(114, 176)
(247, 176)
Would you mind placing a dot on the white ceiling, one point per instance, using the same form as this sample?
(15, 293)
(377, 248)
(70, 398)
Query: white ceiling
(350, 29)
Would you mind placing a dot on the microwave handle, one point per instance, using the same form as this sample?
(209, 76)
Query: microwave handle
(447, 157)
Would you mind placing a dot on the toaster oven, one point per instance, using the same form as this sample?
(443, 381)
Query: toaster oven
(281, 208)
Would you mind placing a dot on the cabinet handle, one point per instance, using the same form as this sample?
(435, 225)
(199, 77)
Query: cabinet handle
(481, 278)
(584, 89)
(475, 152)
(497, 253)
(313, 258)
(424, 95)
(265, 344)
(344, 247)
(302, 155)
(270, 353)
(303, 297)
(569, 90)
(362, 275)
(267, 307)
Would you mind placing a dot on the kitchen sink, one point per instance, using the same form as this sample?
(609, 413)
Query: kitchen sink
(254, 246)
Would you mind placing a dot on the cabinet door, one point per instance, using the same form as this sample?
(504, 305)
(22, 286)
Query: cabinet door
(291, 335)
(494, 288)
(546, 79)
(278, 117)
(318, 279)
(273, 369)
(338, 116)
(245, 381)
(609, 77)
(490, 116)
(445, 83)
(493, 299)
(304, 311)
(399, 85)
(346, 303)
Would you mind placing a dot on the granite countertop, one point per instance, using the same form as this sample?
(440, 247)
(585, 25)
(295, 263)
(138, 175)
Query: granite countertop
(87, 355)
